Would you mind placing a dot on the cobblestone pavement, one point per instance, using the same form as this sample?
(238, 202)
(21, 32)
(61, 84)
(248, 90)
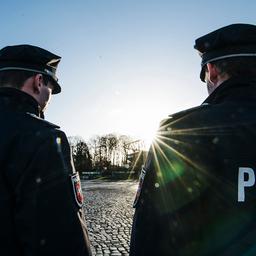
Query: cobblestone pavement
(108, 210)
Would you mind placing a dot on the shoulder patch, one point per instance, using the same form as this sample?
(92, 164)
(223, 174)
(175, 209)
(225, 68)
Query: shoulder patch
(42, 120)
(77, 189)
(141, 180)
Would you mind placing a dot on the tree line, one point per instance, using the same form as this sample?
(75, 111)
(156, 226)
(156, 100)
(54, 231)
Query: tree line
(107, 153)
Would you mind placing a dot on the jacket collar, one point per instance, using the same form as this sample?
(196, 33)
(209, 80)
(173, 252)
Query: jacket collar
(233, 89)
(17, 100)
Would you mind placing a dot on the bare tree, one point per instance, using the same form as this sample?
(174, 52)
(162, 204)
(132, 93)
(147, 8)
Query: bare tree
(113, 150)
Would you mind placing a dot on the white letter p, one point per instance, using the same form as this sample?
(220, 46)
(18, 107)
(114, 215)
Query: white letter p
(242, 183)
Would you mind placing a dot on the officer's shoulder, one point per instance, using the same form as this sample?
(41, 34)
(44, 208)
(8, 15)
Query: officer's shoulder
(188, 111)
(40, 121)
(184, 113)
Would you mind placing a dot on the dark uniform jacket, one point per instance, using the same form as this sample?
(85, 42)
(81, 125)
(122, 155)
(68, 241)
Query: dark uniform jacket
(39, 214)
(197, 193)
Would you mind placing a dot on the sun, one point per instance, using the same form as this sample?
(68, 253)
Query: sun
(143, 126)
(148, 137)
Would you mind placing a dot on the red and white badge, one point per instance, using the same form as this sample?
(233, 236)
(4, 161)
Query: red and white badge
(141, 180)
(77, 188)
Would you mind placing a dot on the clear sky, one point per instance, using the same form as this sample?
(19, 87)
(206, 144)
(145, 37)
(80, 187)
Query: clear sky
(126, 64)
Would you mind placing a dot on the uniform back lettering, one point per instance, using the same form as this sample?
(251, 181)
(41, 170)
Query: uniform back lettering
(242, 183)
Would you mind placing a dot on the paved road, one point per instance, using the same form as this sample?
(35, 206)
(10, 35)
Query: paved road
(108, 209)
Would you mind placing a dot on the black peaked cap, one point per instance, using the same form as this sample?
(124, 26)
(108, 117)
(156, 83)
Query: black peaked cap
(31, 58)
(236, 40)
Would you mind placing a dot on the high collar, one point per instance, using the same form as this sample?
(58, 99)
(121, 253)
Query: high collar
(233, 89)
(19, 101)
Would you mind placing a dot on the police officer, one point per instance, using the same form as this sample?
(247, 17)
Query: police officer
(197, 190)
(40, 192)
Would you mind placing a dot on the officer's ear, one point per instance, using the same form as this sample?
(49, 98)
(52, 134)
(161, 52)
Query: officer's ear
(213, 73)
(37, 83)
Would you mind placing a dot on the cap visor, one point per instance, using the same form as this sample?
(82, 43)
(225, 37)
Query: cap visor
(56, 88)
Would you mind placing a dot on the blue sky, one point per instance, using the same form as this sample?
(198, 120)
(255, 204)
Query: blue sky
(126, 64)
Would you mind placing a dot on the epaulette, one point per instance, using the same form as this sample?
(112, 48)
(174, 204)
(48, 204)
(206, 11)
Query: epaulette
(165, 122)
(42, 120)
(188, 111)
